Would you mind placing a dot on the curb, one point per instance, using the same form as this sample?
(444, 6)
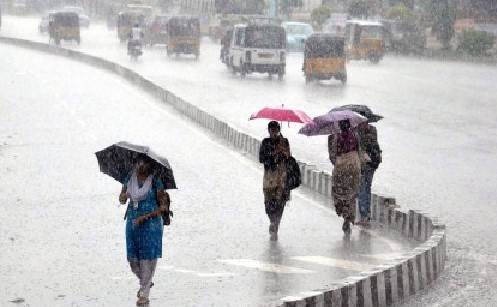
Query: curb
(385, 285)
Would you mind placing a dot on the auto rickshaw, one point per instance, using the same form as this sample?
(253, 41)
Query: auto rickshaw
(324, 58)
(63, 26)
(365, 40)
(183, 36)
(126, 21)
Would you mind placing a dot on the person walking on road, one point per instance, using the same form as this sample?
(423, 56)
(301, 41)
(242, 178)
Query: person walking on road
(369, 145)
(274, 153)
(144, 225)
(343, 149)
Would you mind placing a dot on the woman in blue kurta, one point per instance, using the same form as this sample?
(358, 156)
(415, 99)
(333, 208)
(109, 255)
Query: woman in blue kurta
(144, 224)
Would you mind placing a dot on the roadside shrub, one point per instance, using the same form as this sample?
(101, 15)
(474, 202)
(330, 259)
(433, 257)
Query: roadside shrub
(476, 43)
(320, 14)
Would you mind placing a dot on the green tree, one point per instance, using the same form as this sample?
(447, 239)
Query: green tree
(443, 16)
(402, 13)
(320, 14)
(358, 8)
(476, 43)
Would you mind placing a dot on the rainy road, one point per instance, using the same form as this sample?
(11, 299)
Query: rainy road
(438, 136)
(62, 232)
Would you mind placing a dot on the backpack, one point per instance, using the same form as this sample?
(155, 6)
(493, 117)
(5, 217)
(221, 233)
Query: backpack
(374, 153)
(293, 178)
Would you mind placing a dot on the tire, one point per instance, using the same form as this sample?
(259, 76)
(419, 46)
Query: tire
(344, 79)
(375, 59)
(281, 73)
(78, 40)
(57, 41)
(308, 79)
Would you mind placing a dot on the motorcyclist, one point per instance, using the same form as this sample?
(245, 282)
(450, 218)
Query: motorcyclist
(135, 37)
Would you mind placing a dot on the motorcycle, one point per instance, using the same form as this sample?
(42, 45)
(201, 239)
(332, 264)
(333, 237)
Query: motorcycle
(135, 49)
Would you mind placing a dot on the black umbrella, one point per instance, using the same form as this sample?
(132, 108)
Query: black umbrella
(119, 159)
(361, 109)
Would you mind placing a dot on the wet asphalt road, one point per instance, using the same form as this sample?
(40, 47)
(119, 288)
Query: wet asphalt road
(439, 136)
(62, 233)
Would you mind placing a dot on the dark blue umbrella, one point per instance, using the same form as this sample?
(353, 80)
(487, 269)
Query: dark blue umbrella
(361, 109)
(119, 159)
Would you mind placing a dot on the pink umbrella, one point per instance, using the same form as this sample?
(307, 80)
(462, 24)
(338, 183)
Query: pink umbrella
(282, 114)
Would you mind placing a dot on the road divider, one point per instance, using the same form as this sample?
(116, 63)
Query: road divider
(386, 284)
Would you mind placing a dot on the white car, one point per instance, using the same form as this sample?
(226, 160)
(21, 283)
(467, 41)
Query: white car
(296, 34)
(258, 48)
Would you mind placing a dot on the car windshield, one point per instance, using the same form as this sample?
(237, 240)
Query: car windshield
(324, 47)
(67, 20)
(299, 29)
(372, 32)
(265, 37)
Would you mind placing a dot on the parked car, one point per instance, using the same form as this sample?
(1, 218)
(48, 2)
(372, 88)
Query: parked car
(258, 48)
(296, 34)
(84, 20)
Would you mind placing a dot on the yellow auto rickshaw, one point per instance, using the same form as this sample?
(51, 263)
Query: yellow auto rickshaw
(183, 36)
(63, 26)
(365, 40)
(324, 58)
(126, 21)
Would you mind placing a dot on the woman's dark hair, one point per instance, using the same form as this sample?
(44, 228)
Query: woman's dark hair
(274, 124)
(344, 124)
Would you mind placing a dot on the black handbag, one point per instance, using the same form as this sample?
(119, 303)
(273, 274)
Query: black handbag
(293, 178)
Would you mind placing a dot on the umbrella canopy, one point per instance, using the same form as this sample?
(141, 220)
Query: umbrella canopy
(282, 114)
(361, 109)
(328, 123)
(119, 159)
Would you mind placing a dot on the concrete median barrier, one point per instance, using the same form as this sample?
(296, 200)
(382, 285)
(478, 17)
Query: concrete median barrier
(388, 284)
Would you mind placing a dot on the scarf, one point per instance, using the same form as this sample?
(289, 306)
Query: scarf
(133, 189)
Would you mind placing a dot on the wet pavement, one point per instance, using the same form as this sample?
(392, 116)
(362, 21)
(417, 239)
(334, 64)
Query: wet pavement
(62, 232)
(438, 136)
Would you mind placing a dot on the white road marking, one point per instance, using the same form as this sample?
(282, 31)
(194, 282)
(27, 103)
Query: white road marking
(221, 274)
(265, 267)
(333, 262)
(121, 277)
(199, 274)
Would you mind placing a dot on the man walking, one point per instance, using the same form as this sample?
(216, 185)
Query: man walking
(369, 145)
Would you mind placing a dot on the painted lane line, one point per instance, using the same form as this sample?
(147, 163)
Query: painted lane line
(221, 274)
(122, 277)
(333, 262)
(265, 267)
